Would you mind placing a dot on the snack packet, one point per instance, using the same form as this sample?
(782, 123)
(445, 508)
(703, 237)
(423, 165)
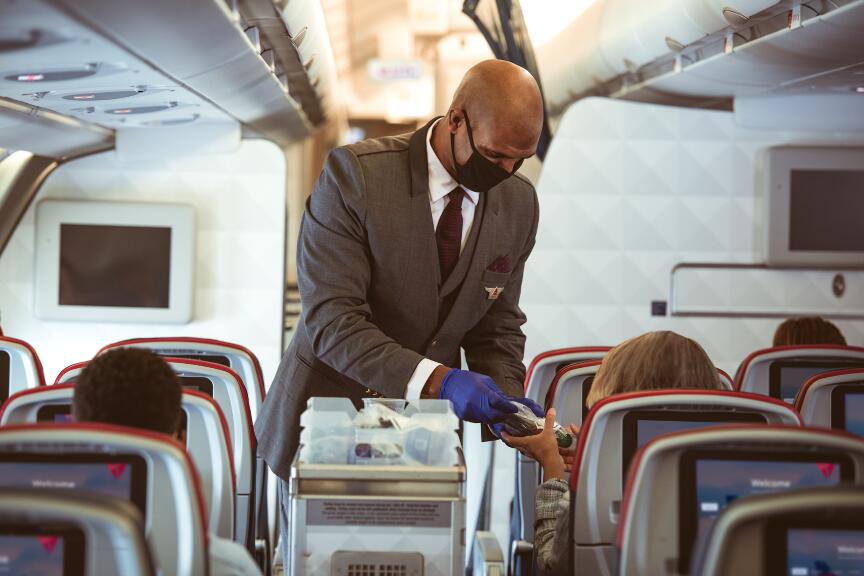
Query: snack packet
(525, 423)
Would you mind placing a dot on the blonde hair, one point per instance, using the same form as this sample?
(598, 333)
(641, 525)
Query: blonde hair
(654, 361)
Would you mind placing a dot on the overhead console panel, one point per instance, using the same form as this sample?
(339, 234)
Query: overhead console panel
(125, 64)
(701, 52)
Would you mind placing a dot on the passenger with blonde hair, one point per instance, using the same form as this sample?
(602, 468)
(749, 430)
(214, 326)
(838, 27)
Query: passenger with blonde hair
(653, 361)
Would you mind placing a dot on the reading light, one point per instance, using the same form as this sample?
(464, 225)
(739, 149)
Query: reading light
(103, 95)
(860, 89)
(30, 77)
(53, 75)
(141, 109)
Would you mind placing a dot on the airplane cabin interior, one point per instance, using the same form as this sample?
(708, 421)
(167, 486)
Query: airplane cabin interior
(272, 303)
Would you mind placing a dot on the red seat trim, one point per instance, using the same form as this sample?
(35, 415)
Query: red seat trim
(133, 432)
(68, 369)
(222, 421)
(237, 379)
(799, 399)
(637, 460)
(225, 434)
(550, 394)
(40, 373)
(30, 392)
(194, 340)
(559, 352)
(745, 365)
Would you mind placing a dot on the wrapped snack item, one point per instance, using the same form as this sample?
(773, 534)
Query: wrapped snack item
(524, 422)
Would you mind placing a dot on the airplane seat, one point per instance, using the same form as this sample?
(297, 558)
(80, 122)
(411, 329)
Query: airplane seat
(539, 376)
(679, 483)
(234, 356)
(800, 532)
(725, 379)
(617, 427)
(230, 395)
(20, 367)
(569, 391)
(149, 470)
(67, 533)
(207, 442)
(834, 400)
(541, 371)
(70, 373)
(780, 372)
(244, 362)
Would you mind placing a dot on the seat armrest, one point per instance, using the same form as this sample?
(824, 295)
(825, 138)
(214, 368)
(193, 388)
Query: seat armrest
(488, 557)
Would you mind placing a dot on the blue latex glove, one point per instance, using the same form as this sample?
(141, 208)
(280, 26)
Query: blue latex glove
(475, 397)
(535, 408)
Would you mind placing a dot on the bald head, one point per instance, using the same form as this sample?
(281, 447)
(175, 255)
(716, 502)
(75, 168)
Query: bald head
(500, 90)
(504, 110)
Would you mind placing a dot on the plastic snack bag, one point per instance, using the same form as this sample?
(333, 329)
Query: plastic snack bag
(525, 423)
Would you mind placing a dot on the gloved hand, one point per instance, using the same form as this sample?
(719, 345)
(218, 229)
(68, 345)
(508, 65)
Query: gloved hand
(475, 397)
(535, 408)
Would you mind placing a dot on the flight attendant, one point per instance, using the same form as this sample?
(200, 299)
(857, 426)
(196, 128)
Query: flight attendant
(411, 248)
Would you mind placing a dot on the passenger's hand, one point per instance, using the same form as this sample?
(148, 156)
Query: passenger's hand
(569, 454)
(541, 447)
(475, 397)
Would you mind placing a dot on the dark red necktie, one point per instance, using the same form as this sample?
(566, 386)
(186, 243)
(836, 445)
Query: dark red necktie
(449, 233)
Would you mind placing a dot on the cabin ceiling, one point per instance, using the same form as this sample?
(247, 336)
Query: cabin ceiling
(125, 65)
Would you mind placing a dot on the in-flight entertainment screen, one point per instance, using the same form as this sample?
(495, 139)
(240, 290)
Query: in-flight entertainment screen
(823, 210)
(215, 358)
(48, 551)
(847, 408)
(5, 362)
(640, 427)
(104, 265)
(122, 476)
(711, 480)
(54, 413)
(818, 552)
(198, 384)
(787, 377)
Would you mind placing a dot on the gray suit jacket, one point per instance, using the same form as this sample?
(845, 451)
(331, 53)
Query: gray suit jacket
(371, 292)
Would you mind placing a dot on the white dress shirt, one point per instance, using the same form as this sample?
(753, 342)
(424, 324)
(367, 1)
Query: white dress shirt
(441, 183)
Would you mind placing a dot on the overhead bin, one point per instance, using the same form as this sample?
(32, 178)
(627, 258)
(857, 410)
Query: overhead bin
(694, 52)
(130, 64)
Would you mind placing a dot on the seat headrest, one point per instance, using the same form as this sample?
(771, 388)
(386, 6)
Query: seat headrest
(75, 531)
(785, 532)
(172, 495)
(25, 368)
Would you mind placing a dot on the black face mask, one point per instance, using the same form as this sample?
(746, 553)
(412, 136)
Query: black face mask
(478, 173)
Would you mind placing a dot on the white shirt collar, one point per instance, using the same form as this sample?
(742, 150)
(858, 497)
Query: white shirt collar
(441, 182)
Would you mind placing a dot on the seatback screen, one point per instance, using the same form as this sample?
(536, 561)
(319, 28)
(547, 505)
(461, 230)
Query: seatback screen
(824, 210)
(5, 365)
(126, 266)
(586, 390)
(640, 427)
(847, 408)
(854, 412)
(710, 481)
(55, 413)
(787, 377)
(116, 476)
(47, 551)
(818, 552)
(198, 384)
(214, 358)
